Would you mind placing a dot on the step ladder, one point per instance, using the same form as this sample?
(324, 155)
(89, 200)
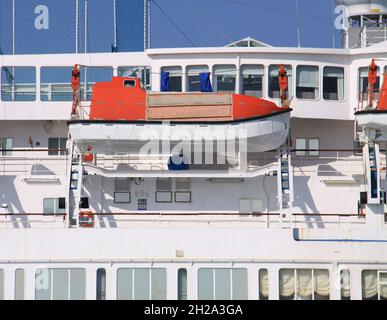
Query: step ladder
(75, 185)
(285, 182)
(371, 158)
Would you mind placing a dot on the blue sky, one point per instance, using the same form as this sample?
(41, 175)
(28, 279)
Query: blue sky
(203, 23)
(215, 22)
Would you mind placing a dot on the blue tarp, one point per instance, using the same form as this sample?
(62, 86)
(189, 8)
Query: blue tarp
(205, 82)
(165, 82)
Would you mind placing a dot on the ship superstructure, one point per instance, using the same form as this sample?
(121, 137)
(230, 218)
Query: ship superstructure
(103, 210)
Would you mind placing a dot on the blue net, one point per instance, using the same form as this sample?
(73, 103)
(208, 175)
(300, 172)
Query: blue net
(51, 26)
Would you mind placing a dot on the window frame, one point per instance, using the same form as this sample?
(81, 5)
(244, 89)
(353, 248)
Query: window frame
(295, 270)
(57, 209)
(35, 84)
(57, 152)
(319, 85)
(180, 74)
(307, 148)
(233, 69)
(242, 78)
(344, 83)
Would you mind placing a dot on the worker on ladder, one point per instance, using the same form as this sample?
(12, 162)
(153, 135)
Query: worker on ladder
(75, 85)
(372, 76)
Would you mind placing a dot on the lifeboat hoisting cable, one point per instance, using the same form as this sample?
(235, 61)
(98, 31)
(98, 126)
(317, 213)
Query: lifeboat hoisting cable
(283, 85)
(75, 86)
(372, 76)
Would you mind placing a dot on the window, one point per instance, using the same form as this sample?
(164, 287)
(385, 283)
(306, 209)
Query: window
(374, 285)
(183, 190)
(19, 284)
(182, 284)
(363, 83)
(18, 84)
(222, 284)
(55, 84)
(6, 146)
(175, 77)
(57, 146)
(101, 284)
(193, 80)
(122, 190)
(164, 190)
(141, 284)
(129, 83)
(345, 285)
(224, 78)
(304, 284)
(54, 205)
(274, 89)
(263, 284)
(60, 284)
(252, 80)
(333, 84)
(141, 72)
(1, 284)
(307, 147)
(307, 82)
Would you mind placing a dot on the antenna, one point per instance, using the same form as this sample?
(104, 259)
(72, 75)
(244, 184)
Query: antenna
(298, 25)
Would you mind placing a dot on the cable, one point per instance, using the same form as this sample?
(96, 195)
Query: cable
(176, 26)
(201, 14)
(248, 4)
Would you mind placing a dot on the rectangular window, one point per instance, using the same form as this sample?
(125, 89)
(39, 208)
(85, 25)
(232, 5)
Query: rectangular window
(164, 190)
(374, 285)
(60, 284)
(183, 190)
(57, 146)
(55, 84)
(345, 285)
(101, 284)
(252, 80)
(18, 83)
(304, 284)
(141, 72)
(263, 284)
(122, 190)
(224, 78)
(141, 284)
(6, 145)
(19, 284)
(222, 284)
(307, 147)
(193, 81)
(274, 89)
(333, 84)
(307, 82)
(182, 284)
(1, 284)
(363, 83)
(175, 77)
(54, 205)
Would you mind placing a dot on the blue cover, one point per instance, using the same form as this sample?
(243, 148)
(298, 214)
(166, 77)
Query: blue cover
(181, 166)
(205, 82)
(165, 83)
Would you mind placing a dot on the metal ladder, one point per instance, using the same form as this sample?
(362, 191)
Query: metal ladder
(285, 179)
(371, 159)
(75, 184)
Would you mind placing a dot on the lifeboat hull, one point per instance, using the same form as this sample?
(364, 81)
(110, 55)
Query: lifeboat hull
(259, 134)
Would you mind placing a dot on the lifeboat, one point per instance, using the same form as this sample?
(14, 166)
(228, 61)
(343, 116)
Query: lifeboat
(124, 117)
(374, 116)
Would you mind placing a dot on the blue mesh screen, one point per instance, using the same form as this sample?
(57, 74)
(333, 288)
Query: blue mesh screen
(49, 26)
